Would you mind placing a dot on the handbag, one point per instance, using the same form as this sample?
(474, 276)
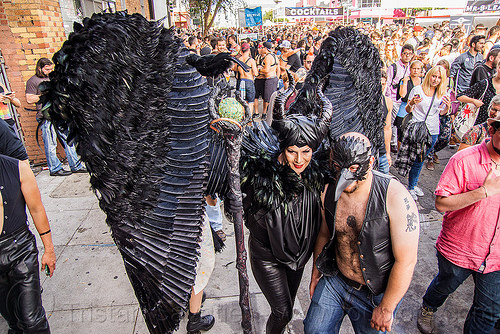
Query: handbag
(466, 116)
(418, 132)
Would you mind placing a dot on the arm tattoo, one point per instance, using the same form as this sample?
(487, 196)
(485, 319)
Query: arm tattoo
(411, 222)
(407, 203)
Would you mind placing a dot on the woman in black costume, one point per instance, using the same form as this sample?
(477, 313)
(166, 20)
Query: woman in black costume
(283, 183)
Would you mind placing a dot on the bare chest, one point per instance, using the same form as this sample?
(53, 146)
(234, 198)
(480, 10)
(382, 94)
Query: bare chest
(349, 218)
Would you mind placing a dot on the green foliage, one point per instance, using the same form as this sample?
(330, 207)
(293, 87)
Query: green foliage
(268, 16)
(207, 10)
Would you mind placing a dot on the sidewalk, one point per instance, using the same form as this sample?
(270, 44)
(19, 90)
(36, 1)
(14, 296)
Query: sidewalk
(90, 292)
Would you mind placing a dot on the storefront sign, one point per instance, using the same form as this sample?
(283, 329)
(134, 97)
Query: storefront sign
(313, 11)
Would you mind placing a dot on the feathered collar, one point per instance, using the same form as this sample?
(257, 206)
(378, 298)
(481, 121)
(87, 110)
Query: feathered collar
(272, 184)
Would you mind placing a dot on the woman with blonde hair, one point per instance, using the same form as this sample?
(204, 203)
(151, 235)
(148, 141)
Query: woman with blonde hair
(390, 55)
(426, 102)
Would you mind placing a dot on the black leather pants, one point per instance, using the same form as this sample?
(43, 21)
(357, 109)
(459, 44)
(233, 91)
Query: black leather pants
(20, 296)
(278, 283)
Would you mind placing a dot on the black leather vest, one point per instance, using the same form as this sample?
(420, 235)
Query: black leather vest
(14, 205)
(374, 240)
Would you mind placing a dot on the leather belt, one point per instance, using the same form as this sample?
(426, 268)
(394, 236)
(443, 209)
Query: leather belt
(356, 285)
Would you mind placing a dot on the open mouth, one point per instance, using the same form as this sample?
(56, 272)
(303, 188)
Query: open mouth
(298, 166)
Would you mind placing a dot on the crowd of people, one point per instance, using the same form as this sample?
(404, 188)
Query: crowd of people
(426, 72)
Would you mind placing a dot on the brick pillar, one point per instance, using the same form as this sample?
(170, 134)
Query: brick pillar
(29, 30)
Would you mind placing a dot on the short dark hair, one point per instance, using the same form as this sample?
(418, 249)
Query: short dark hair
(493, 53)
(407, 47)
(41, 63)
(191, 40)
(476, 39)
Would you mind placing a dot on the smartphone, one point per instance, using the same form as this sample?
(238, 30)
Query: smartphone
(47, 270)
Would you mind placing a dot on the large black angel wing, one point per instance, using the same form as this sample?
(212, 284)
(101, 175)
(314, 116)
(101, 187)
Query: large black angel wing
(139, 115)
(354, 87)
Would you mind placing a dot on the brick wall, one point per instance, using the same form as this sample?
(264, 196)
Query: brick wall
(29, 30)
(134, 6)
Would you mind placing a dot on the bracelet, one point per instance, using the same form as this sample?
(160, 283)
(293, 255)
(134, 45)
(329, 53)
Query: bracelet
(44, 233)
(485, 192)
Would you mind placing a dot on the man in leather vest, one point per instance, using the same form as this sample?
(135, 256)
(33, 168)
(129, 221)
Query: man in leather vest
(20, 295)
(368, 243)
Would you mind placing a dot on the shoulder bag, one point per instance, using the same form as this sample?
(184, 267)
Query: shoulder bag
(466, 116)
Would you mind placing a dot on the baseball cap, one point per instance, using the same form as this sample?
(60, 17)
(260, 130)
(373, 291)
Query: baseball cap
(286, 44)
(245, 46)
(417, 28)
(268, 45)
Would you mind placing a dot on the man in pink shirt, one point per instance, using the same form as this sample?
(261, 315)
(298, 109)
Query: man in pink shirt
(468, 244)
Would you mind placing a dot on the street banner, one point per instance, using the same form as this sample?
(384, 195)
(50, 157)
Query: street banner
(253, 36)
(313, 11)
(482, 6)
(253, 16)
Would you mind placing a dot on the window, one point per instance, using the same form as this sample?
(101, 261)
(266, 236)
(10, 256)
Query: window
(369, 3)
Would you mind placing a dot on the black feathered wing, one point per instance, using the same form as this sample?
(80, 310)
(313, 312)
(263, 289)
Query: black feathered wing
(139, 116)
(354, 87)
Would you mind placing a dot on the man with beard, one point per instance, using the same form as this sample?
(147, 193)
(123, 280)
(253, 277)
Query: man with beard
(468, 194)
(43, 67)
(370, 228)
(463, 66)
(486, 69)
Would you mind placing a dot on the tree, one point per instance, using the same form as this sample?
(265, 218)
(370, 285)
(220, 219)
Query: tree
(268, 16)
(207, 10)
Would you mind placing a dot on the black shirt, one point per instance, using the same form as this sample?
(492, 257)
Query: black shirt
(294, 62)
(10, 144)
(481, 72)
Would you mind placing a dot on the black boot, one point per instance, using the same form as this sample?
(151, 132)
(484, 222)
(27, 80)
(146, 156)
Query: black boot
(197, 323)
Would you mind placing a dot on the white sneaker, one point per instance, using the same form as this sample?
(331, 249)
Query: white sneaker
(413, 195)
(418, 191)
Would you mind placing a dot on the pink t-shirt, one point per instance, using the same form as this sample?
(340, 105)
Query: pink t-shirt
(470, 236)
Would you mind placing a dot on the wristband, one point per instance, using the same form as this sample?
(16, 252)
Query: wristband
(485, 192)
(44, 233)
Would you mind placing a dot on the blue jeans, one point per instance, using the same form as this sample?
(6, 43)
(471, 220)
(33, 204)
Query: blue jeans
(50, 144)
(383, 164)
(214, 215)
(332, 300)
(416, 168)
(485, 309)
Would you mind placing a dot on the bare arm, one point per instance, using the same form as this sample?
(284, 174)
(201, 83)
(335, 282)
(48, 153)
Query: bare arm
(403, 89)
(491, 186)
(32, 98)
(466, 99)
(323, 238)
(33, 200)
(388, 130)
(255, 70)
(404, 226)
